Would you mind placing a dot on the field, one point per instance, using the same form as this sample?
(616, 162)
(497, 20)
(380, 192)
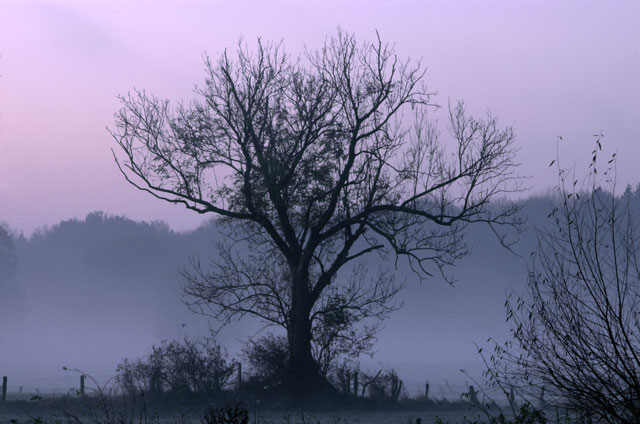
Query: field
(377, 417)
(343, 417)
(72, 410)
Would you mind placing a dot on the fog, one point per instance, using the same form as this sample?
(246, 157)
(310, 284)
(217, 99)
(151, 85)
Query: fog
(90, 292)
(91, 268)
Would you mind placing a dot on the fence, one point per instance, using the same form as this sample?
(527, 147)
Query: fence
(72, 383)
(76, 384)
(23, 388)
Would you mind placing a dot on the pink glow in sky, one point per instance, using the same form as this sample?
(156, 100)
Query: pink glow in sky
(569, 68)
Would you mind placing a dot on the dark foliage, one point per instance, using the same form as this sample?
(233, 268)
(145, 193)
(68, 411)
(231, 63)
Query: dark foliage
(177, 367)
(8, 263)
(317, 162)
(576, 333)
(11, 294)
(526, 415)
(386, 388)
(267, 357)
(229, 414)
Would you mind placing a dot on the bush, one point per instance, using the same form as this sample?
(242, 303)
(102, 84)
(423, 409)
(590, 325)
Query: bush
(576, 331)
(386, 388)
(230, 414)
(268, 358)
(177, 367)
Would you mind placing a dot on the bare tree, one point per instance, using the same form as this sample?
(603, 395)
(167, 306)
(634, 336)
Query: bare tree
(347, 318)
(319, 161)
(344, 320)
(576, 333)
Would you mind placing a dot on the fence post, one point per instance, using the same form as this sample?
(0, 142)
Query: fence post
(82, 377)
(4, 388)
(426, 390)
(239, 375)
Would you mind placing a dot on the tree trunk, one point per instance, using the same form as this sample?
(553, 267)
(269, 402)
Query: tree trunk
(303, 370)
(306, 385)
(302, 367)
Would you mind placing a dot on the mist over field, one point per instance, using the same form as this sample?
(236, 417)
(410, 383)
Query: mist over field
(90, 292)
(391, 210)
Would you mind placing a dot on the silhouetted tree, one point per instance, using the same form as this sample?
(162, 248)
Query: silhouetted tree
(10, 294)
(577, 332)
(318, 161)
(8, 263)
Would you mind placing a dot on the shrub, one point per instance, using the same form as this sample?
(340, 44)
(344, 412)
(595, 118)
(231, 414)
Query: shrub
(268, 358)
(178, 367)
(230, 414)
(386, 388)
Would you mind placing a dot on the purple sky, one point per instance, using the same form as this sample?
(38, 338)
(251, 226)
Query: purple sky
(569, 68)
(549, 68)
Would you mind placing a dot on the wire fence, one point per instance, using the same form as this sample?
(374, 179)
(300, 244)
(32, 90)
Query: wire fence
(24, 388)
(69, 383)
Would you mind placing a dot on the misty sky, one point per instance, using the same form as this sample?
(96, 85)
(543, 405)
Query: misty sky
(550, 68)
(569, 68)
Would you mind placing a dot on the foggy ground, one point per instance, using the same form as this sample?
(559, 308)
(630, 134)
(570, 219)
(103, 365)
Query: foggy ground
(91, 292)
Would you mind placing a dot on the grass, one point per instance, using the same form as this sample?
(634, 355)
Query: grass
(109, 409)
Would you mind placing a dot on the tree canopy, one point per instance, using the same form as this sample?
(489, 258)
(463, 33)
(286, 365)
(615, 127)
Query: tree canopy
(318, 161)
